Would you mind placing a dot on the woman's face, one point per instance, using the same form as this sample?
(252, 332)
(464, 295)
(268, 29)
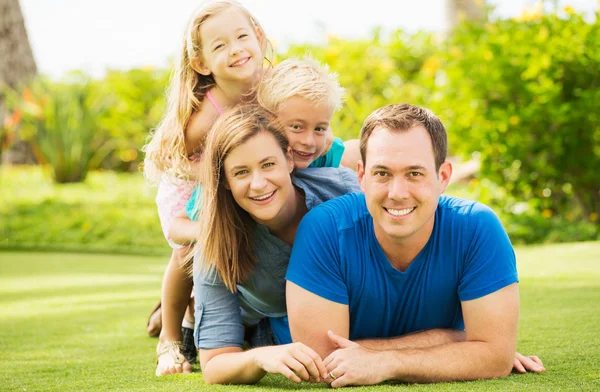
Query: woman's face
(258, 176)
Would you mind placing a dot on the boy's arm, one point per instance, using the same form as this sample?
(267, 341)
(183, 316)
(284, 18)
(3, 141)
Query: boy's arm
(183, 230)
(351, 154)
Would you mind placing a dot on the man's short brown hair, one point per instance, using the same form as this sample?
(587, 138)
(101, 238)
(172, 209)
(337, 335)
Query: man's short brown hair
(401, 118)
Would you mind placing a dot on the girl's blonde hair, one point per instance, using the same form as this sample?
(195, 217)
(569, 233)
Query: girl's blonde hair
(225, 242)
(304, 78)
(166, 151)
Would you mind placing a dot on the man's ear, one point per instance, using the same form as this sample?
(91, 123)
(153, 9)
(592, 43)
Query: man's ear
(198, 66)
(361, 174)
(444, 175)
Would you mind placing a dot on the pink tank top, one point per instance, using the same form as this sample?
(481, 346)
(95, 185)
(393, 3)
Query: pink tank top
(214, 102)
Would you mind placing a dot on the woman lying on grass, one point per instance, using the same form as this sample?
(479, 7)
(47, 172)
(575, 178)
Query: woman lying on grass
(251, 205)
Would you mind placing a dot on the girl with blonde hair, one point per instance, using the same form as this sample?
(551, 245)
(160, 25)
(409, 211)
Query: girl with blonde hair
(221, 62)
(252, 202)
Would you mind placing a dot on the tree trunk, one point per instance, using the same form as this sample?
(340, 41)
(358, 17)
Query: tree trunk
(458, 10)
(17, 65)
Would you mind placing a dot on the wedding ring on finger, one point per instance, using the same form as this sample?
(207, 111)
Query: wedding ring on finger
(332, 376)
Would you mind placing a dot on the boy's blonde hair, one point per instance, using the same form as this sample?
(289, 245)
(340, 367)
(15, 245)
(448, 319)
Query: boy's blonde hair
(304, 78)
(225, 242)
(166, 151)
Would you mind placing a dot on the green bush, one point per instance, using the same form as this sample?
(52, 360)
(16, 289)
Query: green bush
(61, 121)
(139, 104)
(525, 97)
(375, 72)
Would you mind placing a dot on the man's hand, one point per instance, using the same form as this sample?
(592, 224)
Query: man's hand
(352, 364)
(523, 364)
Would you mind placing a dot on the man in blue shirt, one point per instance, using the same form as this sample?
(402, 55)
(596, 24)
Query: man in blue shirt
(401, 283)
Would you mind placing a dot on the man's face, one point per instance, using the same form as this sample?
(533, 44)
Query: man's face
(401, 184)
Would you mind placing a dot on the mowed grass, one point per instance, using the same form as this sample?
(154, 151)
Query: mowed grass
(75, 322)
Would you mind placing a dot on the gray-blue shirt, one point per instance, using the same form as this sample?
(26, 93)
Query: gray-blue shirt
(220, 314)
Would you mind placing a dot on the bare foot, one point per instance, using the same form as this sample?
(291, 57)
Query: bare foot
(171, 360)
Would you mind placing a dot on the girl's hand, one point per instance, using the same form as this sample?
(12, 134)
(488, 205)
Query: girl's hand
(296, 361)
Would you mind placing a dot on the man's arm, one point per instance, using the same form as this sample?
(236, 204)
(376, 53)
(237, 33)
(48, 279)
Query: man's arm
(420, 339)
(488, 351)
(311, 316)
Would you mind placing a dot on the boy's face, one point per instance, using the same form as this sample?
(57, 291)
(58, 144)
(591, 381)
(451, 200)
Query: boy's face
(306, 125)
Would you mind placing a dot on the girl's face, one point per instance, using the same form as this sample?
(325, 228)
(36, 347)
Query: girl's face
(258, 176)
(231, 47)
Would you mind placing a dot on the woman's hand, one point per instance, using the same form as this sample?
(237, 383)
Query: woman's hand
(296, 361)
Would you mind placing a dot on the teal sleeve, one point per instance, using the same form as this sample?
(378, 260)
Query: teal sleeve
(333, 158)
(190, 208)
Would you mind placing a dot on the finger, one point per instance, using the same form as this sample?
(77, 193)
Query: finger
(297, 367)
(531, 365)
(518, 366)
(536, 359)
(338, 340)
(319, 365)
(309, 364)
(341, 381)
(328, 360)
(287, 372)
(334, 364)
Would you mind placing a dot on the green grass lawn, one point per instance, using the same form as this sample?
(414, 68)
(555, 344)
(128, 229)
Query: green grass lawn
(73, 322)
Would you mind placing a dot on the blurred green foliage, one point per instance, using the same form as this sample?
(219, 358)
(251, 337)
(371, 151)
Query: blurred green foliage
(108, 211)
(79, 124)
(139, 103)
(62, 123)
(375, 72)
(522, 96)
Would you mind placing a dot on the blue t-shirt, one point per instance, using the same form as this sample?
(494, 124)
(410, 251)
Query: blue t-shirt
(333, 158)
(337, 256)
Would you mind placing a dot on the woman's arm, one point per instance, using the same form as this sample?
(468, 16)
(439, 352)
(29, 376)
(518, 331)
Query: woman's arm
(231, 365)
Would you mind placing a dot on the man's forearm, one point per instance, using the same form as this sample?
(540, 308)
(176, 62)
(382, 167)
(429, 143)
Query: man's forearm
(422, 339)
(449, 362)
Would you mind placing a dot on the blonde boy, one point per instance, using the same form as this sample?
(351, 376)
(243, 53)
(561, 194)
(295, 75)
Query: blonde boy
(303, 94)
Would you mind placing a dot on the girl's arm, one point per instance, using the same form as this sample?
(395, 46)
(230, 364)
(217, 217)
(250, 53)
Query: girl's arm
(183, 230)
(231, 365)
(198, 126)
